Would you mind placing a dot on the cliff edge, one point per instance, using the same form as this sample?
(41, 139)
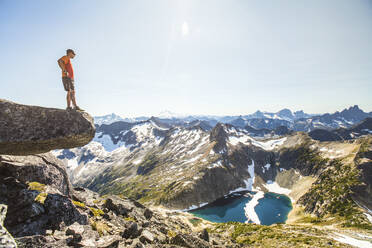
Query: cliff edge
(26, 129)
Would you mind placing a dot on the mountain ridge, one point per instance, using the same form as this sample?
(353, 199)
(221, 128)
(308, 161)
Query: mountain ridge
(295, 121)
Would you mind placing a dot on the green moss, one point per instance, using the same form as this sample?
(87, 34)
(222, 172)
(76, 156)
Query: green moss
(79, 204)
(36, 186)
(96, 211)
(195, 221)
(130, 218)
(171, 233)
(310, 219)
(277, 235)
(41, 198)
(100, 227)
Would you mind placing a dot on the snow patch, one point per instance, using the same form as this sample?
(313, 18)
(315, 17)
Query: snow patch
(352, 241)
(266, 145)
(72, 164)
(137, 162)
(192, 207)
(215, 165)
(367, 130)
(274, 187)
(248, 182)
(249, 208)
(106, 142)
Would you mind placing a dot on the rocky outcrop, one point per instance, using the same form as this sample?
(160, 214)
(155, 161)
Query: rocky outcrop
(219, 136)
(32, 211)
(116, 222)
(42, 168)
(26, 130)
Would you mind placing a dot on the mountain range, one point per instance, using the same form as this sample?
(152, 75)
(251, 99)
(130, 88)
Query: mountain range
(296, 121)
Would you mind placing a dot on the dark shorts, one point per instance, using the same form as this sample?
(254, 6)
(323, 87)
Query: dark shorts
(68, 83)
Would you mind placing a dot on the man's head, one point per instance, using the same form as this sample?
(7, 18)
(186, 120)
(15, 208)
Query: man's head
(70, 53)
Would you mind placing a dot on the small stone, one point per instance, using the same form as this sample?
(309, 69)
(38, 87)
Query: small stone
(132, 231)
(146, 237)
(137, 245)
(148, 213)
(204, 235)
(146, 224)
(58, 235)
(111, 241)
(75, 228)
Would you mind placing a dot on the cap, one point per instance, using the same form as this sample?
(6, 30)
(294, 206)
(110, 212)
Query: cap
(70, 51)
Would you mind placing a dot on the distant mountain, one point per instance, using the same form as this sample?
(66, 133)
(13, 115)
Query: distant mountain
(358, 130)
(344, 119)
(107, 119)
(166, 114)
(284, 114)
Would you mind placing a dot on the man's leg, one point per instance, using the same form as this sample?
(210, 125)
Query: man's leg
(73, 97)
(68, 99)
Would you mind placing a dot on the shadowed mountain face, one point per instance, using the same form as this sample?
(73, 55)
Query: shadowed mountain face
(28, 130)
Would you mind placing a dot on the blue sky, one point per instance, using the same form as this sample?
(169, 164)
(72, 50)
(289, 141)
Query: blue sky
(187, 56)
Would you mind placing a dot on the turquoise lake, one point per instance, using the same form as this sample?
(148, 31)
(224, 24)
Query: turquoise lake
(272, 208)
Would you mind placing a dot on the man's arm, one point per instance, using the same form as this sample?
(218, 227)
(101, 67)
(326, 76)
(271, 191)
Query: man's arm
(61, 64)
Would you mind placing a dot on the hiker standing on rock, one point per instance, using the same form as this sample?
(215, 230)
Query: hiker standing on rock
(68, 78)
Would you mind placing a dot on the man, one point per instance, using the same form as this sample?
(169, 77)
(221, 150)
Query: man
(68, 78)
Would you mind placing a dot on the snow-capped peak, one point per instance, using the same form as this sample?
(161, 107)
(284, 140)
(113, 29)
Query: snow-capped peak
(166, 114)
(107, 119)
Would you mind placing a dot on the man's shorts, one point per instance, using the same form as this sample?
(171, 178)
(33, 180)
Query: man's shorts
(68, 83)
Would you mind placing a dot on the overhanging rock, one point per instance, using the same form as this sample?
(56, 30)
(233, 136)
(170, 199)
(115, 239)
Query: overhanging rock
(26, 130)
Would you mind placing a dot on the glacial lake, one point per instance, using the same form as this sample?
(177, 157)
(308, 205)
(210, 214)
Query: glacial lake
(271, 208)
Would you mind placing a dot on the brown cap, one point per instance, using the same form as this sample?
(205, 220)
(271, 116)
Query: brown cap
(70, 51)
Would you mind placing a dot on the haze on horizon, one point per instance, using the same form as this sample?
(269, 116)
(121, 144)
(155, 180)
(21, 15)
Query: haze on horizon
(187, 56)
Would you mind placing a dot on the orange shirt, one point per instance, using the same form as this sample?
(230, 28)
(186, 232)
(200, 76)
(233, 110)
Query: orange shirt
(68, 67)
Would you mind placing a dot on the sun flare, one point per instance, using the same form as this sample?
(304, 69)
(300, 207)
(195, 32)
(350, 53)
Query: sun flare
(185, 29)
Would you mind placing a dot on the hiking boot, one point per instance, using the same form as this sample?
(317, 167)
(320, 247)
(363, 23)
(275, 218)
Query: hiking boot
(68, 108)
(78, 109)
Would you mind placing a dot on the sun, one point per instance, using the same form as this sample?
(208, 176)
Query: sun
(185, 29)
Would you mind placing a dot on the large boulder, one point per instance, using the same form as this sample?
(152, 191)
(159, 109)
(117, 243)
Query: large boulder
(26, 130)
(37, 191)
(41, 168)
(31, 212)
